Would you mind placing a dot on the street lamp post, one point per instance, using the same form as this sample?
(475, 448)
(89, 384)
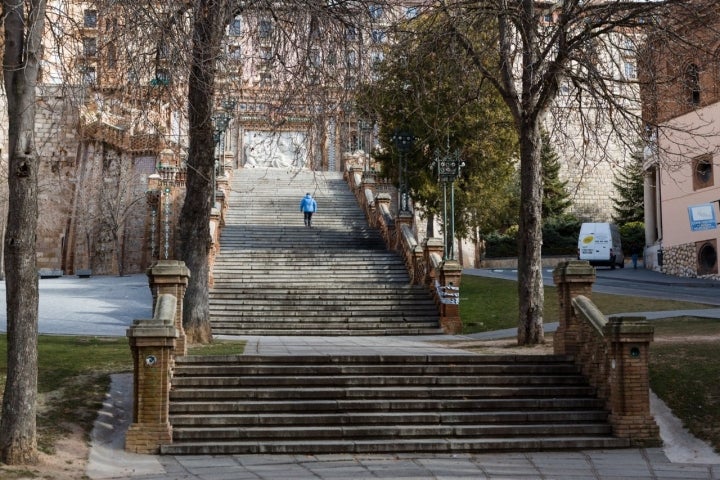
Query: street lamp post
(364, 129)
(449, 165)
(221, 121)
(403, 140)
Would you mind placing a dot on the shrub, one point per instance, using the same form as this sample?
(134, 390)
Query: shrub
(632, 233)
(560, 235)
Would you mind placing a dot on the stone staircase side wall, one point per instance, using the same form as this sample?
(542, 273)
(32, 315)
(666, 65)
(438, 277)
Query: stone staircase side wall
(612, 353)
(423, 262)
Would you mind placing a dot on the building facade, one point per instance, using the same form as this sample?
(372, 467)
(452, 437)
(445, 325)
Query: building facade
(681, 103)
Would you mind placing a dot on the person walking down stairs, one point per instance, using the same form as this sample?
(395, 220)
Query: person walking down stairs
(308, 206)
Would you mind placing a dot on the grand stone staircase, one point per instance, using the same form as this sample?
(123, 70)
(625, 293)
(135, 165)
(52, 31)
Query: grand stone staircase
(249, 404)
(274, 276)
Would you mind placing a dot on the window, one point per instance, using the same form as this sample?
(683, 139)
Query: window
(692, 84)
(235, 29)
(351, 33)
(266, 57)
(411, 12)
(162, 77)
(378, 36)
(630, 71)
(376, 12)
(111, 59)
(703, 175)
(351, 59)
(265, 29)
(90, 47)
(234, 52)
(548, 18)
(90, 19)
(314, 58)
(88, 75)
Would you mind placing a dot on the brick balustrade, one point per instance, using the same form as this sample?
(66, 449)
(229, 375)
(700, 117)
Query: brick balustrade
(154, 345)
(612, 353)
(424, 262)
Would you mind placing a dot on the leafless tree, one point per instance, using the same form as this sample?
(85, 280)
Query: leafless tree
(23, 22)
(558, 64)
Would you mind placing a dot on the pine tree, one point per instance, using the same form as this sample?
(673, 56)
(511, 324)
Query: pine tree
(629, 185)
(556, 199)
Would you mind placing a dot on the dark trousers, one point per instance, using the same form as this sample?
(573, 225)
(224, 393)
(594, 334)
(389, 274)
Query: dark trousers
(308, 218)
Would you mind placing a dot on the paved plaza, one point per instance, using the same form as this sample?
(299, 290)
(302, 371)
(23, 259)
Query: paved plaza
(106, 306)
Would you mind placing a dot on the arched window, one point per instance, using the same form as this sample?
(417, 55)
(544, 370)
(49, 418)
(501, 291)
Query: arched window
(692, 84)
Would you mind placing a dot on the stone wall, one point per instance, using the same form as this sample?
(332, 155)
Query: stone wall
(92, 208)
(682, 261)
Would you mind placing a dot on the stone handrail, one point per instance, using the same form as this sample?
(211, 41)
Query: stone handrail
(612, 353)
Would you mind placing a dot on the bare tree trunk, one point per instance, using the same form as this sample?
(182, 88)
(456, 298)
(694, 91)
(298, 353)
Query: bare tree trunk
(209, 24)
(530, 282)
(18, 436)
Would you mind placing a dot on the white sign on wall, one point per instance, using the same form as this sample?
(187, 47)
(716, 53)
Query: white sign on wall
(702, 217)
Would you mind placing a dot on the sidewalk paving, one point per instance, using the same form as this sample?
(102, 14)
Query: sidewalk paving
(107, 306)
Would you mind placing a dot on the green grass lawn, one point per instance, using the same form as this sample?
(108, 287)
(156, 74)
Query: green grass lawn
(74, 375)
(685, 372)
(488, 304)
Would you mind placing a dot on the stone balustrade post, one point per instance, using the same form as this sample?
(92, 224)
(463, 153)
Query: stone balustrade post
(450, 274)
(404, 218)
(171, 276)
(628, 344)
(152, 343)
(572, 278)
(431, 246)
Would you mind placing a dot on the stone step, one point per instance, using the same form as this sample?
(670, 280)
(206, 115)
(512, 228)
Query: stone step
(436, 419)
(274, 276)
(404, 392)
(373, 370)
(395, 445)
(386, 405)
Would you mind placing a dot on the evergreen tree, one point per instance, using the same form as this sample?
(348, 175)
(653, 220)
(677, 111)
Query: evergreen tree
(556, 199)
(629, 185)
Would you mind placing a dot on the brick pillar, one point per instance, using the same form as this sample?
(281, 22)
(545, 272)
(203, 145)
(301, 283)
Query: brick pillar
(171, 276)
(152, 345)
(628, 341)
(572, 278)
(450, 274)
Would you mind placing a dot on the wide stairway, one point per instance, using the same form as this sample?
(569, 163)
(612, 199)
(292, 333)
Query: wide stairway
(274, 276)
(249, 404)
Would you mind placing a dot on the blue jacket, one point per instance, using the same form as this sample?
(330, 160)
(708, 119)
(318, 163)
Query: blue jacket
(308, 204)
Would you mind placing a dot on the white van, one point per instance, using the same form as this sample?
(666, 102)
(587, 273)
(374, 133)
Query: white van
(600, 244)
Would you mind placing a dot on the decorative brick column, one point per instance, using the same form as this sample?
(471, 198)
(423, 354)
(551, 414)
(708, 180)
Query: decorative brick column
(450, 274)
(572, 278)
(171, 276)
(628, 341)
(152, 343)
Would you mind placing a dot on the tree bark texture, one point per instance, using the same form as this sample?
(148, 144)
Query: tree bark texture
(23, 22)
(530, 282)
(195, 238)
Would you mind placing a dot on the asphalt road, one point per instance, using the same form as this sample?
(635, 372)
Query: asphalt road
(627, 281)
